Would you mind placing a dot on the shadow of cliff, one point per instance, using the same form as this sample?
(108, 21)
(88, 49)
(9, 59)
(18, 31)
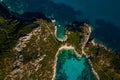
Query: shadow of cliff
(45, 8)
(108, 32)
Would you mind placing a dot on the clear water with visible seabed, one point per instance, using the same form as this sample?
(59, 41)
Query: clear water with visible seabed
(69, 67)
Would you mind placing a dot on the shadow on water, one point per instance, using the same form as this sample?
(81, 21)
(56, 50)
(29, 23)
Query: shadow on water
(26, 16)
(60, 12)
(31, 16)
(107, 32)
(4, 10)
(76, 26)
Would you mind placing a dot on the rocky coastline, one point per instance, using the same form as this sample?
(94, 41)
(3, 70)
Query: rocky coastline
(76, 53)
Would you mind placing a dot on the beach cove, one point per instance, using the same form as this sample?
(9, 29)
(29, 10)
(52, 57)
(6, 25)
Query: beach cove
(69, 62)
(56, 49)
(69, 65)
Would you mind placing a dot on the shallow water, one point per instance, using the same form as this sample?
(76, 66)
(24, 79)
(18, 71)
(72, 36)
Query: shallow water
(69, 67)
(60, 31)
(103, 15)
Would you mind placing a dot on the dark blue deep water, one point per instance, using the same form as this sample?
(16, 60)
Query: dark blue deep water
(102, 15)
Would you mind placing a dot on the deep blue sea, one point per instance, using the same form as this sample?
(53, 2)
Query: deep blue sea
(102, 15)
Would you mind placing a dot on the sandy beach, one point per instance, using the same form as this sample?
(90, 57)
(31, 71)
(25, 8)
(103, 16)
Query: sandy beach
(56, 56)
(76, 53)
(55, 33)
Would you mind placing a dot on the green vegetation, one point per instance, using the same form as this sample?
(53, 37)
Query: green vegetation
(44, 45)
(74, 40)
(9, 35)
(77, 37)
(105, 63)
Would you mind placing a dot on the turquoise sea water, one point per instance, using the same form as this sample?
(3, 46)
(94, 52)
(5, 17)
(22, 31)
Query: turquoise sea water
(102, 15)
(60, 31)
(69, 67)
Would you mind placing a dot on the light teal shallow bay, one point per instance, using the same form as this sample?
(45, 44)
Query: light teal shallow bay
(69, 67)
(60, 32)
